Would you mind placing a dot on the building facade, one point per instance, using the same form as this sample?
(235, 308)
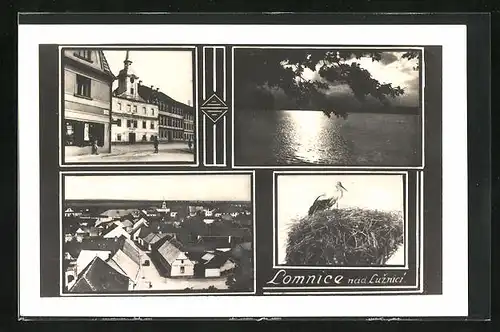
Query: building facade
(176, 120)
(87, 99)
(189, 124)
(135, 120)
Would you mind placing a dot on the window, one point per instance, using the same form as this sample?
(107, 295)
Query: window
(132, 91)
(144, 110)
(152, 138)
(129, 108)
(144, 138)
(152, 125)
(82, 86)
(144, 124)
(129, 123)
(183, 269)
(135, 123)
(153, 111)
(135, 108)
(119, 137)
(119, 122)
(83, 54)
(120, 106)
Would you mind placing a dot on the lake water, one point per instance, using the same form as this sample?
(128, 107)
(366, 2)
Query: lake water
(283, 137)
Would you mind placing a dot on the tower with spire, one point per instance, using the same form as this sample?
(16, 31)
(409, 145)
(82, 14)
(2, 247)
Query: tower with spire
(128, 81)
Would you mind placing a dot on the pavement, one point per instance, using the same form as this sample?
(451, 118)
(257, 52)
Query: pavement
(167, 152)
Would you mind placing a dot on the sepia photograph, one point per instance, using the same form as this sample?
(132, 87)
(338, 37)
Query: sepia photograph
(182, 233)
(128, 105)
(340, 220)
(328, 106)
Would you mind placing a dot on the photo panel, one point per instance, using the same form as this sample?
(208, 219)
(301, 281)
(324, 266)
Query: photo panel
(328, 106)
(128, 105)
(145, 233)
(346, 231)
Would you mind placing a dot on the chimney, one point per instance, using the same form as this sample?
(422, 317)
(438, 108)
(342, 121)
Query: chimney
(140, 82)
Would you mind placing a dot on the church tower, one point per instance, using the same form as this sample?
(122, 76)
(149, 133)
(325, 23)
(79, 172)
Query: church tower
(128, 81)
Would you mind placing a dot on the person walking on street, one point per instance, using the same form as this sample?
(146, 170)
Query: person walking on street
(190, 144)
(94, 147)
(155, 142)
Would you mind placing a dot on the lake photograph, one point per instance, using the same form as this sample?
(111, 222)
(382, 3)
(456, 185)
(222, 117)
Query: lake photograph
(338, 107)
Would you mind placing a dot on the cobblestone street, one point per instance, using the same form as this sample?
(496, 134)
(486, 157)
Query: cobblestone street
(167, 152)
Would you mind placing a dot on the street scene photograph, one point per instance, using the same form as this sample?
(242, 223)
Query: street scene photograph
(340, 220)
(183, 233)
(128, 105)
(339, 107)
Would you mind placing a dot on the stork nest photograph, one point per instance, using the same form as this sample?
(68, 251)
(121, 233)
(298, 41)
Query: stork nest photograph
(340, 220)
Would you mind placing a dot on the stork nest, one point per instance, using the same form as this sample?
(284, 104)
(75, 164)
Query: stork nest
(350, 237)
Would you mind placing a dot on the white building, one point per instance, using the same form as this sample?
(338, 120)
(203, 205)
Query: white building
(134, 119)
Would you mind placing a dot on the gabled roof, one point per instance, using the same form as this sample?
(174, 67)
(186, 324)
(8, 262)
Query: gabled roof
(98, 276)
(217, 261)
(171, 250)
(105, 65)
(215, 242)
(124, 264)
(87, 256)
(129, 248)
(153, 238)
(146, 93)
(116, 213)
(127, 223)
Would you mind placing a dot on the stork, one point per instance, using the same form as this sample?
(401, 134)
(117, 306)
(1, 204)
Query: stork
(329, 202)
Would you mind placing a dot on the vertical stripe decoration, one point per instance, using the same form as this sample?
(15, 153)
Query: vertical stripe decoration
(213, 106)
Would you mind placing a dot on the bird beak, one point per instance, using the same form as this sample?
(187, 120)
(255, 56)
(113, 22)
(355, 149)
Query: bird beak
(341, 186)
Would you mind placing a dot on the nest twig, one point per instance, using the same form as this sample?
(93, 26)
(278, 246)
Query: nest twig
(350, 237)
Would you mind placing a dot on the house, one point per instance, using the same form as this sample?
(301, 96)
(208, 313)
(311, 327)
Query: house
(172, 259)
(70, 275)
(68, 237)
(150, 212)
(119, 213)
(216, 265)
(87, 100)
(115, 231)
(94, 243)
(221, 243)
(98, 276)
(127, 224)
(135, 230)
(86, 256)
(104, 221)
(127, 260)
(209, 213)
(152, 239)
(69, 213)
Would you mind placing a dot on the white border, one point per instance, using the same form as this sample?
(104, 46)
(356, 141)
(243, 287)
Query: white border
(453, 300)
(277, 166)
(331, 267)
(215, 124)
(62, 163)
(166, 292)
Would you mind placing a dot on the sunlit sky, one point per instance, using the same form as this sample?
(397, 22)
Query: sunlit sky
(214, 187)
(297, 193)
(171, 71)
(391, 69)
